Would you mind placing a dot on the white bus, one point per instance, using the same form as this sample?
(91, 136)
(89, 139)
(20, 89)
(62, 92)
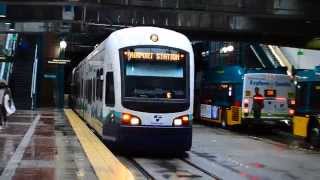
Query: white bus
(136, 89)
(230, 95)
(275, 93)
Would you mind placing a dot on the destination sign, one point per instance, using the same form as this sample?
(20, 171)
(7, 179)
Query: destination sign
(153, 56)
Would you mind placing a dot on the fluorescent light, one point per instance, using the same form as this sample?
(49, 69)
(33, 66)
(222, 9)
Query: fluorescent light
(2, 16)
(56, 62)
(7, 23)
(62, 60)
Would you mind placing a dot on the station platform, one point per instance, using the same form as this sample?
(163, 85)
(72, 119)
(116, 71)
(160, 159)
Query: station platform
(54, 144)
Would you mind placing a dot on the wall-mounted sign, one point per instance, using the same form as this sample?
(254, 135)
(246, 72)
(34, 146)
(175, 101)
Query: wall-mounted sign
(50, 76)
(59, 61)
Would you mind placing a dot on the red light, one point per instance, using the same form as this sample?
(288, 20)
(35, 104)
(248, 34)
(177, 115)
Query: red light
(237, 103)
(292, 101)
(291, 111)
(258, 98)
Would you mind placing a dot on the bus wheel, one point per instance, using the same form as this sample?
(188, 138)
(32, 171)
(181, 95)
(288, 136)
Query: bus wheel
(314, 137)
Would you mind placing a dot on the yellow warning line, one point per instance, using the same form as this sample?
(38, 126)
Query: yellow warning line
(104, 163)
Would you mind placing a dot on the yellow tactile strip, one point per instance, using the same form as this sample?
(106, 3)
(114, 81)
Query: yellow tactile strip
(104, 163)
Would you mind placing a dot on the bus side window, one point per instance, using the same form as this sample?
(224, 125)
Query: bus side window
(109, 89)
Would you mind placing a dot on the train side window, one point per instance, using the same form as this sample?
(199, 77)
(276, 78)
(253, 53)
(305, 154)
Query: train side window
(110, 99)
(99, 85)
(81, 90)
(90, 91)
(94, 89)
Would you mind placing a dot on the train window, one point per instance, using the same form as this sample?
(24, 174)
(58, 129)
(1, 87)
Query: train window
(81, 90)
(90, 91)
(87, 90)
(94, 89)
(109, 89)
(99, 85)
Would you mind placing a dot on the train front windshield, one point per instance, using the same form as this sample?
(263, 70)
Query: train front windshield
(154, 74)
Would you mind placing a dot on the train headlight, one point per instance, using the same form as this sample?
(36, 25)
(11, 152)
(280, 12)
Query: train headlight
(128, 119)
(182, 120)
(177, 122)
(134, 121)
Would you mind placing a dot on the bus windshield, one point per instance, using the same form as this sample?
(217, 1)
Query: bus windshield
(308, 97)
(150, 72)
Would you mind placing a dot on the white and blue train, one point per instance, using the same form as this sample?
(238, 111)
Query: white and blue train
(136, 89)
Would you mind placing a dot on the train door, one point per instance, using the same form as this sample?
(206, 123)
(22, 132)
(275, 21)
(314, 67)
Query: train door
(110, 128)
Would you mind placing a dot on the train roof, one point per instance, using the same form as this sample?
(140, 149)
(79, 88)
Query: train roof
(135, 36)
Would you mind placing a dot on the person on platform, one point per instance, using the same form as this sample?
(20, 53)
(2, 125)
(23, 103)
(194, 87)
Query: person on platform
(258, 104)
(5, 99)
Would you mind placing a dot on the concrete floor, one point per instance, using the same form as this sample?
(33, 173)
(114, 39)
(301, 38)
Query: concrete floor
(222, 154)
(41, 145)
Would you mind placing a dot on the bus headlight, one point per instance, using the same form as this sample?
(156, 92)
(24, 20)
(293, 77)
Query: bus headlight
(291, 112)
(128, 119)
(182, 120)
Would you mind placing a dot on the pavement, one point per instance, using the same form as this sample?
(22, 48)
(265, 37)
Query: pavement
(56, 144)
(41, 145)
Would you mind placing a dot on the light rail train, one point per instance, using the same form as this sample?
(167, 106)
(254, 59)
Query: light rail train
(136, 89)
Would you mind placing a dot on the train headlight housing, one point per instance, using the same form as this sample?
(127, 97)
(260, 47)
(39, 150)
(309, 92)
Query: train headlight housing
(181, 121)
(177, 122)
(128, 119)
(134, 121)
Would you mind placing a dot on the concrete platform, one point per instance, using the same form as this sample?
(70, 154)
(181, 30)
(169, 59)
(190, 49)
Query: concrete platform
(42, 145)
